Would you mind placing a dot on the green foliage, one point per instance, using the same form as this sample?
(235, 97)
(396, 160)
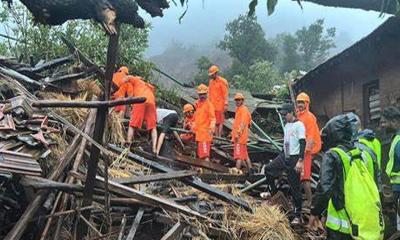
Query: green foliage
(261, 78)
(307, 48)
(203, 64)
(170, 95)
(43, 42)
(314, 45)
(245, 41)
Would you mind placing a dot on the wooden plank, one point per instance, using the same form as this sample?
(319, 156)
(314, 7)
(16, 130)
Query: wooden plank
(20, 172)
(230, 178)
(201, 163)
(148, 198)
(174, 232)
(192, 182)
(100, 125)
(156, 177)
(135, 224)
(18, 167)
(87, 104)
(187, 161)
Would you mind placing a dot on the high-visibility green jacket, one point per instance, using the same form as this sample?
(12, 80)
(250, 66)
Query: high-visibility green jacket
(393, 173)
(364, 223)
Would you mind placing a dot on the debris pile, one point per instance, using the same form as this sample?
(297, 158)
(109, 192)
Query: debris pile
(47, 117)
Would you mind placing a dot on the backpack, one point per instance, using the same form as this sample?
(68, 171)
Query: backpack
(362, 200)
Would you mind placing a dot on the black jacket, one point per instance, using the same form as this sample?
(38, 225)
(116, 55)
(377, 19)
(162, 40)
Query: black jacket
(331, 183)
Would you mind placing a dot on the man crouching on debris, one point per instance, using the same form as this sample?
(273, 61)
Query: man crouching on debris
(204, 123)
(143, 112)
(291, 160)
(188, 112)
(240, 132)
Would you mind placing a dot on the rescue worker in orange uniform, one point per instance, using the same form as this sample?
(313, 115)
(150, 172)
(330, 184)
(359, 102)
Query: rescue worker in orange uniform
(218, 93)
(188, 112)
(123, 89)
(240, 133)
(143, 112)
(204, 123)
(313, 141)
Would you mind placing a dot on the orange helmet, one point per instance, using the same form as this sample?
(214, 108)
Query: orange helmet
(303, 97)
(123, 69)
(238, 96)
(212, 70)
(202, 89)
(188, 108)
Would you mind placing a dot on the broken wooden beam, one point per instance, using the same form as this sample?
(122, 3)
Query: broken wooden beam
(254, 185)
(190, 181)
(201, 163)
(188, 161)
(100, 125)
(45, 66)
(43, 183)
(175, 231)
(145, 197)
(230, 178)
(156, 177)
(135, 224)
(20, 77)
(87, 104)
(82, 57)
(68, 77)
(274, 143)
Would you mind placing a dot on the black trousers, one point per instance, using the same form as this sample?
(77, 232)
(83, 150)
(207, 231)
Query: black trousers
(275, 169)
(396, 199)
(334, 235)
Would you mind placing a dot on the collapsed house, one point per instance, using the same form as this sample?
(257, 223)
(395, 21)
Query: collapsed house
(46, 129)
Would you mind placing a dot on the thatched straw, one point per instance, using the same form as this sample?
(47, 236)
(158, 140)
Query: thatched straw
(266, 223)
(116, 129)
(76, 116)
(92, 87)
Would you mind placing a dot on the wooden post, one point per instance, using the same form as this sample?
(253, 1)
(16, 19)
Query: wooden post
(101, 118)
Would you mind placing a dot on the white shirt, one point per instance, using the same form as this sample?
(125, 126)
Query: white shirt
(293, 132)
(162, 113)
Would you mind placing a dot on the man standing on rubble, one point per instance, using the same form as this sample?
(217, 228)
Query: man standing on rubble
(350, 197)
(313, 141)
(391, 123)
(123, 88)
(204, 123)
(291, 159)
(240, 133)
(218, 87)
(143, 112)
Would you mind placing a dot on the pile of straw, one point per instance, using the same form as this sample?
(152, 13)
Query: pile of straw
(89, 86)
(116, 129)
(76, 116)
(266, 223)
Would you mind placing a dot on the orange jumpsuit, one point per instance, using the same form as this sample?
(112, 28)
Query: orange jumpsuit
(218, 94)
(240, 133)
(144, 111)
(124, 89)
(313, 139)
(204, 124)
(188, 123)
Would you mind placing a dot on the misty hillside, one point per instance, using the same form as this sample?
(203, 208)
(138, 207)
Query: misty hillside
(179, 60)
